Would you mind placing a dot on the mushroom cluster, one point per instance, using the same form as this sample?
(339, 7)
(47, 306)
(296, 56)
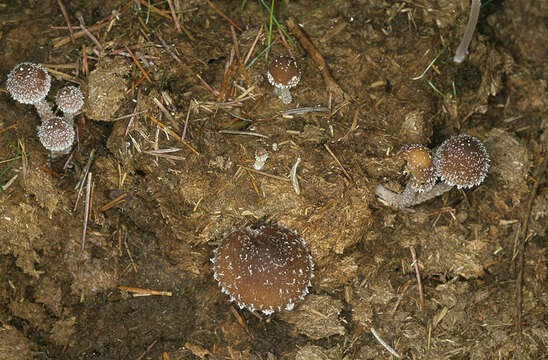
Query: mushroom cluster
(30, 83)
(460, 161)
(266, 269)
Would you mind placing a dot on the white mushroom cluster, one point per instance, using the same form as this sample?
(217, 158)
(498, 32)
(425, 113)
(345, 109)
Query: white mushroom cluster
(30, 83)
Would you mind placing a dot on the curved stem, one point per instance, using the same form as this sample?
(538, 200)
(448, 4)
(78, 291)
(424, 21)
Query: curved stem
(462, 50)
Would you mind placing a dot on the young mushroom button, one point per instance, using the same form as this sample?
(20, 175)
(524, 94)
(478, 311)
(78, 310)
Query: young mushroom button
(69, 100)
(29, 83)
(266, 269)
(56, 135)
(283, 73)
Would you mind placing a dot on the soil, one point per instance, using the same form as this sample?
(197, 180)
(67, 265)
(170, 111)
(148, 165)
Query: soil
(172, 141)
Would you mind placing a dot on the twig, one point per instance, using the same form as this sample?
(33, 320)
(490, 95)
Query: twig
(305, 110)
(65, 15)
(419, 281)
(348, 176)
(238, 132)
(330, 83)
(89, 34)
(145, 73)
(386, 346)
(147, 350)
(166, 47)
(120, 199)
(223, 15)
(186, 121)
(539, 173)
(144, 292)
(86, 212)
(213, 91)
(265, 174)
(173, 133)
(253, 45)
(174, 16)
(80, 183)
(293, 177)
(12, 126)
(166, 113)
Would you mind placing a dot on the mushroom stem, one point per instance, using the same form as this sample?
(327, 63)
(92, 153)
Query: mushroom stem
(462, 50)
(410, 197)
(43, 109)
(284, 94)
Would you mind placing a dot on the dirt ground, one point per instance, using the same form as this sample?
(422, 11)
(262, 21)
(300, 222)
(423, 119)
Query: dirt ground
(169, 129)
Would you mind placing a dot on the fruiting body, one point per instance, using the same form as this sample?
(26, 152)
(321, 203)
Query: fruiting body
(284, 74)
(462, 161)
(56, 135)
(29, 83)
(69, 100)
(420, 167)
(266, 269)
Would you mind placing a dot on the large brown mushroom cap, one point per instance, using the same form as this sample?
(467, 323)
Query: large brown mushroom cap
(420, 166)
(28, 83)
(283, 72)
(266, 269)
(462, 160)
(69, 99)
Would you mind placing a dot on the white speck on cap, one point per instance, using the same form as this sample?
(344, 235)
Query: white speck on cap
(28, 83)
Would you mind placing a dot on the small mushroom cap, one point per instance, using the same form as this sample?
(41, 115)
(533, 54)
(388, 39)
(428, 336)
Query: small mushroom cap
(462, 160)
(420, 166)
(56, 134)
(266, 269)
(28, 83)
(69, 99)
(283, 72)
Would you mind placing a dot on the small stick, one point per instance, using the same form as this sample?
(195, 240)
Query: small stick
(539, 172)
(305, 110)
(144, 292)
(69, 159)
(12, 126)
(80, 183)
(293, 177)
(145, 73)
(237, 50)
(386, 346)
(132, 118)
(63, 75)
(86, 212)
(157, 122)
(223, 15)
(174, 16)
(253, 182)
(284, 41)
(253, 45)
(147, 350)
(89, 34)
(166, 113)
(78, 35)
(120, 199)
(186, 121)
(85, 62)
(330, 83)
(348, 176)
(419, 281)
(65, 15)
(155, 9)
(166, 47)
(213, 91)
(462, 49)
(265, 174)
(238, 132)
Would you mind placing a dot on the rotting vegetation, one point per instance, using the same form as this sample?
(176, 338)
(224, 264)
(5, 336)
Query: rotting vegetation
(105, 252)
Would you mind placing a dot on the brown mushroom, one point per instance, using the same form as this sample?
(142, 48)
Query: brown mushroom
(266, 269)
(284, 74)
(56, 135)
(29, 83)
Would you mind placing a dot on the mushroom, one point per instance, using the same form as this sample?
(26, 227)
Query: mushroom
(283, 73)
(460, 161)
(261, 155)
(56, 135)
(69, 100)
(423, 176)
(462, 49)
(266, 269)
(29, 83)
